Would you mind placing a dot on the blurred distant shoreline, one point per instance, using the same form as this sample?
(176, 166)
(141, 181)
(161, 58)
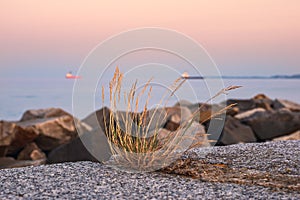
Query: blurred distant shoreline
(295, 76)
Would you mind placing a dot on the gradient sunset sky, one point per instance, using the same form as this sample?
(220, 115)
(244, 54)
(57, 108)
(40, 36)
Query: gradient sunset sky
(49, 38)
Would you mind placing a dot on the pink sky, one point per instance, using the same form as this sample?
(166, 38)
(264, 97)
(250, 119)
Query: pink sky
(250, 37)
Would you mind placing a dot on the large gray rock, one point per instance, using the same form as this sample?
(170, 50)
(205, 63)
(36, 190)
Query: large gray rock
(292, 106)
(235, 132)
(13, 137)
(43, 113)
(270, 124)
(91, 146)
(56, 128)
(259, 101)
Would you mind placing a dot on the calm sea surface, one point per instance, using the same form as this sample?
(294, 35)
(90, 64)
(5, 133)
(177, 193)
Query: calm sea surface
(18, 96)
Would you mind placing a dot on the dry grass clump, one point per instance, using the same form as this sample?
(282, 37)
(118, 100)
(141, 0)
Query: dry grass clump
(134, 144)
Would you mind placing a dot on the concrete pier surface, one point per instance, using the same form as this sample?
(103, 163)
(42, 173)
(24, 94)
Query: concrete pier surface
(92, 180)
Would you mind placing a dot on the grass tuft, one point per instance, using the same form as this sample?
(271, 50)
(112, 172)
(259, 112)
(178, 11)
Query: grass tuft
(133, 141)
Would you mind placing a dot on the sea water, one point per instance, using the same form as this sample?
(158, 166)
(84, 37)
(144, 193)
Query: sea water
(19, 95)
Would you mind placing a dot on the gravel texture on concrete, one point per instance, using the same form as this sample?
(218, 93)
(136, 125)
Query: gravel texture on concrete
(280, 157)
(96, 181)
